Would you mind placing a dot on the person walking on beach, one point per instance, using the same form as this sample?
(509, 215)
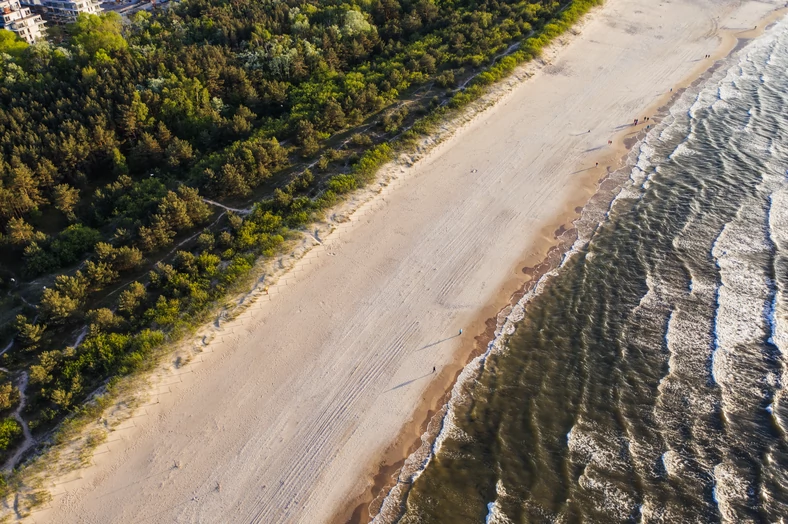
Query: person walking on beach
(460, 331)
(433, 369)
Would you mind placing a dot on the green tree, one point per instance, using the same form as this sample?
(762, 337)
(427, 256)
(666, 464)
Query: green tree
(233, 182)
(134, 116)
(65, 198)
(65, 301)
(334, 116)
(103, 319)
(147, 153)
(20, 233)
(41, 373)
(94, 33)
(11, 44)
(100, 274)
(38, 260)
(9, 396)
(159, 234)
(19, 192)
(57, 307)
(131, 298)
(307, 138)
(206, 241)
(29, 335)
(127, 258)
(178, 153)
(10, 431)
(61, 397)
(122, 258)
(166, 311)
(75, 286)
(73, 241)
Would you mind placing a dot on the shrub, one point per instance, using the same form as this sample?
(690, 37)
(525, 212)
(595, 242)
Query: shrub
(9, 395)
(341, 184)
(10, 431)
(73, 242)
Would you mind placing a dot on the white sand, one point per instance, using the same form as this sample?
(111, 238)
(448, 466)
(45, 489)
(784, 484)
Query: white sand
(287, 417)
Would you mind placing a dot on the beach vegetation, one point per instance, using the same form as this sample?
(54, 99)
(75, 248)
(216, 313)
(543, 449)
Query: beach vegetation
(10, 432)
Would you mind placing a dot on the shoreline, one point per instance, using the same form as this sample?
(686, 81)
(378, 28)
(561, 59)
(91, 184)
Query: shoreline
(410, 438)
(370, 203)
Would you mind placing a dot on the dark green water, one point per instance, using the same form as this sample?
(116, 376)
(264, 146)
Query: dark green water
(644, 382)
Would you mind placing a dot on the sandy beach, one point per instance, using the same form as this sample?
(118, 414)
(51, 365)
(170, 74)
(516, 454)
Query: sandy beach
(297, 403)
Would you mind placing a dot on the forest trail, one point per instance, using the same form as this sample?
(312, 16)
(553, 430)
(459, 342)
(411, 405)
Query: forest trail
(21, 385)
(226, 208)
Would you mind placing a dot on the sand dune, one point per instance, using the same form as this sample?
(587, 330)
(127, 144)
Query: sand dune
(289, 415)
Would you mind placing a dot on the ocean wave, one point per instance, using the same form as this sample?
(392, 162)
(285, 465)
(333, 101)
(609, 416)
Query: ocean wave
(673, 463)
(670, 344)
(593, 444)
(696, 105)
(778, 313)
(495, 514)
(609, 497)
(729, 489)
(682, 149)
(741, 295)
(728, 89)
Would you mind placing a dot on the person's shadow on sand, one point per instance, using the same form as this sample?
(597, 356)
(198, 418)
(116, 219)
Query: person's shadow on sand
(438, 342)
(409, 382)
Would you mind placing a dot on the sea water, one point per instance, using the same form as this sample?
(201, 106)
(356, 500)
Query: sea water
(644, 380)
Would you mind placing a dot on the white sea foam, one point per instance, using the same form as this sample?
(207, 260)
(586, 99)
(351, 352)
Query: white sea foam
(670, 344)
(641, 170)
(741, 301)
(651, 294)
(778, 313)
(728, 91)
(729, 489)
(656, 512)
(695, 106)
(682, 150)
(672, 463)
(609, 497)
(495, 514)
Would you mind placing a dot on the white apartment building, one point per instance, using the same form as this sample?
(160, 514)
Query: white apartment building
(66, 11)
(20, 20)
